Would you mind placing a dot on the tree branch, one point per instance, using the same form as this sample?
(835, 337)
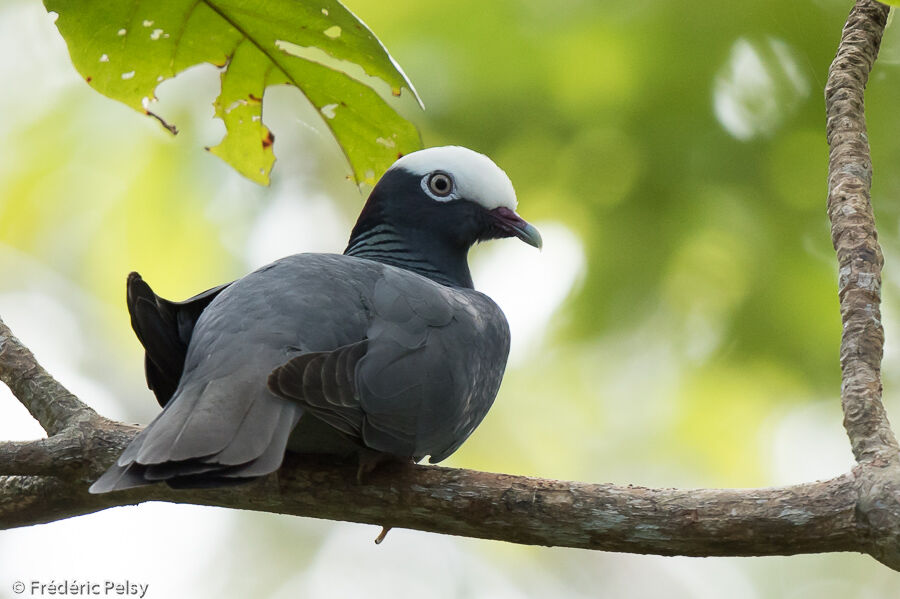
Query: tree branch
(860, 260)
(859, 511)
(854, 236)
(43, 457)
(776, 521)
(51, 404)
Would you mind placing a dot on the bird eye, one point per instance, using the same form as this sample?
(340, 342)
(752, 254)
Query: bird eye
(440, 184)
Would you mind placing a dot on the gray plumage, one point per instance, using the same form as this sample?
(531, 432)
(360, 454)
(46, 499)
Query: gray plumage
(318, 353)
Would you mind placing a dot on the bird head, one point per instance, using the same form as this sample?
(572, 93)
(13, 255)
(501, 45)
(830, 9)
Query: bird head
(431, 206)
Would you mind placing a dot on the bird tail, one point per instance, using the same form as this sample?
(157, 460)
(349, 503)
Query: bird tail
(211, 451)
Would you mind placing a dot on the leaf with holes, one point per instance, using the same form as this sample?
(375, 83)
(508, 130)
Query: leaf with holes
(124, 49)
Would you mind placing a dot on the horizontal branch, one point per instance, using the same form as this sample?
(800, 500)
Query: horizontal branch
(43, 457)
(778, 521)
(805, 518)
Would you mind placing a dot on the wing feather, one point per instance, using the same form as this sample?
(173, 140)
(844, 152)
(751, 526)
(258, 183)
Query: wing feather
(421, 381)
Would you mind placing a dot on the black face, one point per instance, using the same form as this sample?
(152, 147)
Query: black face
(399, 199)
(436, 231)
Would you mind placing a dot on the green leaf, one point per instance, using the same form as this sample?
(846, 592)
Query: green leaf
(125, 49)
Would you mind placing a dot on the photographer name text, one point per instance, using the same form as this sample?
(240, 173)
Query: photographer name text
(110, 588)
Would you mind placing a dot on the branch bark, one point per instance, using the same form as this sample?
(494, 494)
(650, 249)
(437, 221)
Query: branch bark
(855, 239)
(704, 522)
(51, 404)
(854, 236)
(47, 480)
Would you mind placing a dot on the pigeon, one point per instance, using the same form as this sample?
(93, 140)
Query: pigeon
(384, 352)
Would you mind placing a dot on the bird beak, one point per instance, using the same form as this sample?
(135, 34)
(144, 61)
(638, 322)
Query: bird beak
(513, 225)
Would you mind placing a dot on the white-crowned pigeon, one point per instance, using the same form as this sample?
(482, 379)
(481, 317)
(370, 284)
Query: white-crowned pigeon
(385, 350)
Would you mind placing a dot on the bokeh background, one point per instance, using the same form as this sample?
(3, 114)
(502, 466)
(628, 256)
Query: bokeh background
(680, 328)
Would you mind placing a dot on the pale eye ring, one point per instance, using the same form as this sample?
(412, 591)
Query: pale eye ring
(440, 184)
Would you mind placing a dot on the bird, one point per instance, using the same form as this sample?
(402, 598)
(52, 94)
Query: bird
(384, 352)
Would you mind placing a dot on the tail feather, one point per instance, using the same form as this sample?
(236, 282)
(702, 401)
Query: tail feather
(164, 328)
(118, 478)
(271, 459)
(259, 458)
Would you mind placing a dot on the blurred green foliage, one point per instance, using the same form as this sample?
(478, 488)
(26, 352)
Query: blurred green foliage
(682, 142)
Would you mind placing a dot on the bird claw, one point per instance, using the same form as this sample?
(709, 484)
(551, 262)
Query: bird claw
(370, 459)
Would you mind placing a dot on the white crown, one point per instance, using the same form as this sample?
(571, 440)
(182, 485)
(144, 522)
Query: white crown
(476, 178)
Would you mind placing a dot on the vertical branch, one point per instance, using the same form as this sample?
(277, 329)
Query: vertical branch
(854, 236)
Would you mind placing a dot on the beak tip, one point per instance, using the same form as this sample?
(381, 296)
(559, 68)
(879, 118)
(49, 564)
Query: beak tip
(513, 225)
(532, 237)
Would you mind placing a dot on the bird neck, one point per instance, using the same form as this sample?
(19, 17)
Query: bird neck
(413, 250)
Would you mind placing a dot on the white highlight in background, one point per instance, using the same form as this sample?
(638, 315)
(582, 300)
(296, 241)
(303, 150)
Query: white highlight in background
(529, 285)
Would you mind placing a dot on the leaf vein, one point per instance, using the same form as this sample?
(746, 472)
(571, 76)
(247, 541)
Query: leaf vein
(176, 46)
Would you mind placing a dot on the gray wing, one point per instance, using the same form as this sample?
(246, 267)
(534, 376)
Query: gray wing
(223, 424)
(423, 379)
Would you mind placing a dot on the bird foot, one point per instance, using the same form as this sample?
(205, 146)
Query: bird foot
(370, 459)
